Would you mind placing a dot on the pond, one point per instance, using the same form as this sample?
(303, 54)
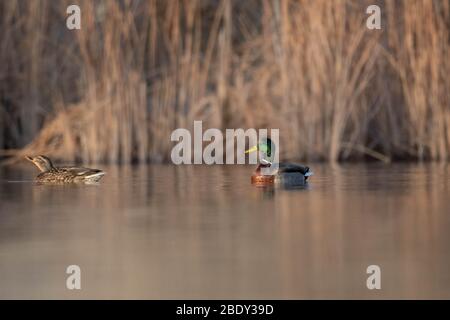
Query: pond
(160, 231)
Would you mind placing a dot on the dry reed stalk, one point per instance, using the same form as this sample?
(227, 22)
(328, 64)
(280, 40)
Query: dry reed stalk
(421, 59)
(115, 90)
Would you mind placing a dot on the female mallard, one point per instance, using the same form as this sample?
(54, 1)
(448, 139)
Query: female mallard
(50, 173)
(286, 173)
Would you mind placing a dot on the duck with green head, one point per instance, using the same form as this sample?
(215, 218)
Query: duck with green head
(284, 172)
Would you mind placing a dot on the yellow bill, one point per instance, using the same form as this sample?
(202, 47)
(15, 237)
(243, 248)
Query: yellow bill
(253, 149)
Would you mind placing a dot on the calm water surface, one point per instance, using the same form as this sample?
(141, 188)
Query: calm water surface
(206, 232)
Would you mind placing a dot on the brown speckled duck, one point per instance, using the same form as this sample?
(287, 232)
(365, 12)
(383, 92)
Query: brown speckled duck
(51, 174)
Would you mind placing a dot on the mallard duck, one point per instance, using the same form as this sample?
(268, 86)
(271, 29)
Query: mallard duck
(50, 173)
(286, 173)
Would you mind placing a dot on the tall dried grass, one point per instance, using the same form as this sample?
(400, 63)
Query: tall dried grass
(114, 91)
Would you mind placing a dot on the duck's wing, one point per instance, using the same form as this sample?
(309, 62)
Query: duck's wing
(81, 172)
(293, 167)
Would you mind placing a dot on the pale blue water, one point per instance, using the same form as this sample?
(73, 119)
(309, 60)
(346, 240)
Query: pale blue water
(206, 232)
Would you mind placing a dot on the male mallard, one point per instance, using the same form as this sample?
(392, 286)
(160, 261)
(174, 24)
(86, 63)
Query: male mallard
(50, 173)
(286, 173)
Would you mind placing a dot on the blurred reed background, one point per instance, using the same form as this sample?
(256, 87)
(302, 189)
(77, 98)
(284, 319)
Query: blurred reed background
(115, 90)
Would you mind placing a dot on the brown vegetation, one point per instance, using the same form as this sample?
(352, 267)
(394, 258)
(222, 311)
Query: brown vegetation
(115, 90)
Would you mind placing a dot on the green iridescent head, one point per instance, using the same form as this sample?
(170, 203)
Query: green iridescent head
(266, 150)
